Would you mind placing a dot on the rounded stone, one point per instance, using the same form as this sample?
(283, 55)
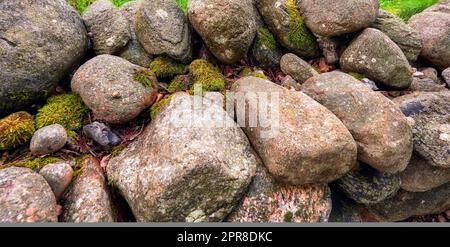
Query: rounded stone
(58, 176)
(48, 139)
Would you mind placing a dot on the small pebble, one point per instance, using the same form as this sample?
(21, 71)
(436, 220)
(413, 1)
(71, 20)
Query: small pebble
(101, 134)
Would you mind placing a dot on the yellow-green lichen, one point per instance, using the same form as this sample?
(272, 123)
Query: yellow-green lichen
(36, 163)
(158, 106)
(67, 110)
(179, 83)
(265, 38)
(15, 130)
(299, 35)
(166, 68)
(146, 77)
(208, 76)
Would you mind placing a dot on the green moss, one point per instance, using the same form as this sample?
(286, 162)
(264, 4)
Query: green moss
(205, 74)
(247, 71)
(158, 106)
(15, 130)
(37, 163)
(179, 83)
(117, 150)
(67, 110)
(357, 75)
(288, 216)
(406, 8)
(166, 68)
(183, 4)
(146, 77)
(82, 5)
(299, 35)
(265, 38)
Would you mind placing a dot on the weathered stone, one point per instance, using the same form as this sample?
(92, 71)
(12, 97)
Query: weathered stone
(430, 73)
(40, 42)
(398, 31)
(381, 131)
(265, 50)
(426, 85)
(431, 132)
(291, 84)
(337, 17)
(107, 27)
(25, 196)
(162, 29)
(48, 139)
(186, 166)
(58, 176)
(376, 56)
(300, 142)
(88, 200)
(297, 68)
(330, 49)
(101, 134)
(446, 76)
(114, 89)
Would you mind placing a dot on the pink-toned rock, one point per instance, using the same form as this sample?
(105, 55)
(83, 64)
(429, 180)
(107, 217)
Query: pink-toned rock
(58, 176)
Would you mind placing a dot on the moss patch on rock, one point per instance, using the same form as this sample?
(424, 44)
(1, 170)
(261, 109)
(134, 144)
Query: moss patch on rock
(36, 163)
(357, 76)
(15, 130)
(179, 83)
(158, 106)
(266, 39)
(146, 77)
(183, 4)
(405, 9)
(247, 71)
(82, 5)
(299, 35)
(166, 68)
(204, 73)
(67, 110)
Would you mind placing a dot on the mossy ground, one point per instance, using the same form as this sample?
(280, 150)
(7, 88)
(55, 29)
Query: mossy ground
(299, 35)
(179, 83)
(204, 73)
(183, 4)
(36, 163)
(406, 8)
(15, 130)
(67, 110)
(166, 68)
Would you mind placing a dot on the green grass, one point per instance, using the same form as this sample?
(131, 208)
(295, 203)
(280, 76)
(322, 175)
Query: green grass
(82, 5)
(406, 8)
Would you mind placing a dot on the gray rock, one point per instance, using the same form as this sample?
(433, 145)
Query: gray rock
(376, 56)
(186, 166)
(133, 52)
(268, 201)
(162, 29)
(88, 200)
(284, 20)
(431, 132)
(40, 42)
(113, 88)
(101, 134)
(58, 176)
(291, 84)
(368, 186)
(265, 50)
(300, 142)
(228, 27)
(430, 73)
(398, 31)
(296, 67)
(434, 30)
(407, 204)
(337, 17)
(381, 131)
(330, 49)
(426, 85)
(48, 139)
(420, 176)
(25, 196)
(107, 27)
(441, 6)
(446, 76)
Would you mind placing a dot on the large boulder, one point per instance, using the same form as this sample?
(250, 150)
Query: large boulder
(376, 56)
(337, 17)
(228, 27)
(187, 166)
(398, 31)
(107, 27)
(162, 29)
(431, 132)
(284, 20)
(114, 89)
(25, 196)
(382, 132)
(40, 41)
(300, 142)
(434, 30)
(88, 200)
(269, 201)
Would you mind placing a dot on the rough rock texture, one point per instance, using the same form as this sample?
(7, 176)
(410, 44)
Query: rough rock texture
(336, 17)
(107, 27)
(40, 41)
(434, 29)
(406, 204)
(265, 50)
(420, 176)
(368, 186)
(88, 200)
(48, 139)
(186, 166)
(133, 51)
(110, 87)
(162, 29)
(431, 132)
(296, 67)
(58, 176)
(426, 85)
(268, 201)
(101, 134)
(291, 84)
(381, 131)
(376, 56)
(284, 20)
(300, 142)
(331, 49)
(228, 27)
(430, 73)
(25, 196)
(398, 31)
(446, 76)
